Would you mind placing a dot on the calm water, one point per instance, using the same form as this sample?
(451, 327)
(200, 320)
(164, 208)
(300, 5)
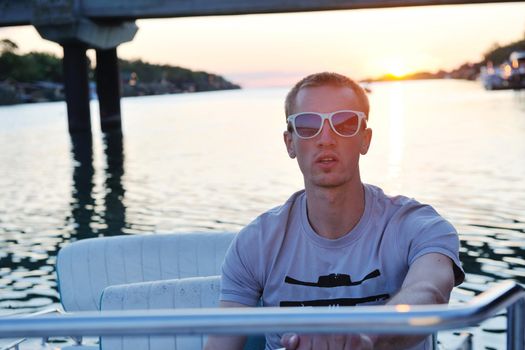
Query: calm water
(213, 161)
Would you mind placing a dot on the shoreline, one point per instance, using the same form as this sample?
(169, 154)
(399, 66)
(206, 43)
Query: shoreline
(15, 93)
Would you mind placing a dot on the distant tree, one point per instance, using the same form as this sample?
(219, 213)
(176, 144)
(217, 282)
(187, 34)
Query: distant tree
(179, 77)
(39, 66)
(8, 45)
(47, 66)
(498, 54)
(8, 63)
(35, 66)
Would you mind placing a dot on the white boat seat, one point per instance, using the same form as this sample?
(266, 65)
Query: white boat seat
(172, 294)
(196, 292)
(86, 267)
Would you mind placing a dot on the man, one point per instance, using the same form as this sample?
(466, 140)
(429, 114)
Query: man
(338, 242)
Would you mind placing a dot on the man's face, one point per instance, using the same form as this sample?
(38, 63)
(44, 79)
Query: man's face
(328, 160)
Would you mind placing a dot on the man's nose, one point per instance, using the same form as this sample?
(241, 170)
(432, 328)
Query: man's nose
(327, 135)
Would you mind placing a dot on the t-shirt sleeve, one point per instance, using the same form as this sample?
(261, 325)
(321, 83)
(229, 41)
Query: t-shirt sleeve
(425, 231)
(239, 279)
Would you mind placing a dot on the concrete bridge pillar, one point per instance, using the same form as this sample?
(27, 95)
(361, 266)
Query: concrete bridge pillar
(76, 85)
(108, 89)
(59, 21)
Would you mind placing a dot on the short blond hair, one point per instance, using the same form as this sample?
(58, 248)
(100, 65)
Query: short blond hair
(322, 79)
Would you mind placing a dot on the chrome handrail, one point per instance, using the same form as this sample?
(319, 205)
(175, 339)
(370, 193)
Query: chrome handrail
(399, 319)
(15, 344)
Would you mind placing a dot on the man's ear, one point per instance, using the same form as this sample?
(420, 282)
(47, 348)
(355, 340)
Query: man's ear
(287, 137)
(365, 143)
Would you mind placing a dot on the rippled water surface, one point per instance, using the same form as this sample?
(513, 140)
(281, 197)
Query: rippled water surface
(213, 161)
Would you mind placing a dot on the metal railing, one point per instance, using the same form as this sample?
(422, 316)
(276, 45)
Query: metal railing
(399, 319)
(15, 343)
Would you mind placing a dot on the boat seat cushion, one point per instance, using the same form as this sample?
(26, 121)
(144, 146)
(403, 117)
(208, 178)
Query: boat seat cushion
(86, 267)
(196, 292)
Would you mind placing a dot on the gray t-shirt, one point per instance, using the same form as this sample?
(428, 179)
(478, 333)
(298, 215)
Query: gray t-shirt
(279, 259)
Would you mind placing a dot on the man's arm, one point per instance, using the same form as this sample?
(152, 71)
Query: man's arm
(216, 342)
(429, 280)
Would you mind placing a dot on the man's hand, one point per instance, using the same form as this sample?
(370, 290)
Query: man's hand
(327, 342)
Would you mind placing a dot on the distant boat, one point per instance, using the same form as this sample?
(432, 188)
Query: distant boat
(509, 75)
(517, 71)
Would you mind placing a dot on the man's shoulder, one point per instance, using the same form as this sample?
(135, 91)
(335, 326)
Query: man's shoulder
(285, 208)
(274, 218)
(400, 207)
(395, 201)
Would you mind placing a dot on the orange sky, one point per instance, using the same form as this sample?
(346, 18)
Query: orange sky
(276, 49)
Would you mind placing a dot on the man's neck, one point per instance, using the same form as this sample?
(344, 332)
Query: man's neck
(333, 212)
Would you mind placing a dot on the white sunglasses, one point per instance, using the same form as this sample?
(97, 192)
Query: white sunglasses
(345, 123)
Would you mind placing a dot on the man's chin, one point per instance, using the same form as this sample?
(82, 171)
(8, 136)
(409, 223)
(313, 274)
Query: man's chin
(328, 182)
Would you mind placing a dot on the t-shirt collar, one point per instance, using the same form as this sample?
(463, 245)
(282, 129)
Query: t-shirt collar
(350, 237)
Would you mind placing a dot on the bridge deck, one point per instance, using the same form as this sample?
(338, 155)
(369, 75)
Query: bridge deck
(20, 12)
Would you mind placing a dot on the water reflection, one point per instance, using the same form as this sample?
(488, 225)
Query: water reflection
(396, 137)
(115, 212)
(82, 204)
(97, 210)
(519, 99)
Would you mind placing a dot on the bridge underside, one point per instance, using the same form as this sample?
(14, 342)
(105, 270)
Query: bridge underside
(20, 12)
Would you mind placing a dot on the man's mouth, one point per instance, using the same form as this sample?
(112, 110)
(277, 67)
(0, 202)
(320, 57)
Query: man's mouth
(326, 159)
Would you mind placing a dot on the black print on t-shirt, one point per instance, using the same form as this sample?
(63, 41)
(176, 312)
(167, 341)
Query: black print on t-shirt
(333, 280)
(336, 302)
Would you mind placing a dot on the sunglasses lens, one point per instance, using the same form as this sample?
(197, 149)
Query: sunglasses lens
(346, 123)
(307, 124)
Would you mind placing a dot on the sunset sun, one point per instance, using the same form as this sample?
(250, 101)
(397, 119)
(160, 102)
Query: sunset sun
(397, 68)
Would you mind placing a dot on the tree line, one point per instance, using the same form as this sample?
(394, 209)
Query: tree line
(496, 54)
(20, 72)
(499, 54)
